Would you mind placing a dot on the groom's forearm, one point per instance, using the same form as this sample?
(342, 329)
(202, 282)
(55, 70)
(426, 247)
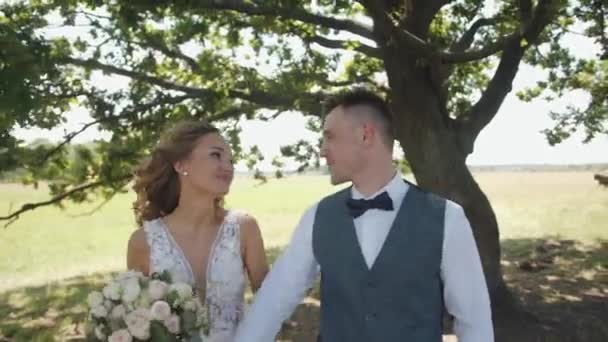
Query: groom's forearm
(276, 300)
(291, 276)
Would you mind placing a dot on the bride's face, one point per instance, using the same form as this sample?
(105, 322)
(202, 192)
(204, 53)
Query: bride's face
(209, 167)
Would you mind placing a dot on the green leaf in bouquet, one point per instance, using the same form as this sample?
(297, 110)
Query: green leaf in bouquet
(117, 324)
(188, 321)
(144, 282)
(173, 299)
(159, 333)
(165, 276)
(144, 300)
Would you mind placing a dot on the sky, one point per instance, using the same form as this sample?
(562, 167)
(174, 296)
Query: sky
(513, 137)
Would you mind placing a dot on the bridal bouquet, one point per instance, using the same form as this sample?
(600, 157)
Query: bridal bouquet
(132, 307)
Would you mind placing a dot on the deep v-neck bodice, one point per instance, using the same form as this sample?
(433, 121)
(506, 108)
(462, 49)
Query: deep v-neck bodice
(187, 263)
(225, 274)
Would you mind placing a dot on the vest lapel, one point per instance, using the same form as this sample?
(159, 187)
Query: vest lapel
(401, 222)
(350, 236)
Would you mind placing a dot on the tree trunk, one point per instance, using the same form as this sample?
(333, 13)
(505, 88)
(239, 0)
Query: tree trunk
(449, 177)
(439, 168)
(437, 159)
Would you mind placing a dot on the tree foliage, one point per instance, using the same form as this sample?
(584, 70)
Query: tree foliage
(227, 60)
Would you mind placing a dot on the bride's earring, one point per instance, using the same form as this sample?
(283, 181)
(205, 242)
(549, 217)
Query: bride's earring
(185, 173)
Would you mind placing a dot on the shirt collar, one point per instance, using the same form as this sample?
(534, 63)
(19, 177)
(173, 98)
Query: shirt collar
(396, 188)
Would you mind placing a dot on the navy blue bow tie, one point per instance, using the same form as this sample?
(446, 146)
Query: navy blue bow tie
(359, 206)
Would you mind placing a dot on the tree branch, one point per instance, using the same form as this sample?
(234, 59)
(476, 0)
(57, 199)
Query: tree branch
(484, 110)
(423, 12)
(131, 110)
(477, 54)
(468, 37)
(309, 103)
(98, 207)
(262, 98)
(226, 114)
(342, 44)
(383, 24)
(525, 11)
(12, 217)
(460, 46)
(66, 140)
(388, 27)
(158, 45)
(355, 80)
(249, 7)
(94, 64)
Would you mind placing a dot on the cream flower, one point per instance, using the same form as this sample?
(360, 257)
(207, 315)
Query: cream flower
(131, 291)
(138, 323)
(172, 324)
(157, 289)
(121, 335)
(160, 310)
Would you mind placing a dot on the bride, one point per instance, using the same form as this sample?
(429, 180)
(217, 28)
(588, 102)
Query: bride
(185, 229)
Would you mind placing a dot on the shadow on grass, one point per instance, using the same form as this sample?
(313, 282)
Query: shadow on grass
(47, 313)
(563, 283)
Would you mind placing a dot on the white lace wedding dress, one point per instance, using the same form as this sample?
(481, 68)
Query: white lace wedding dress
(225, 276)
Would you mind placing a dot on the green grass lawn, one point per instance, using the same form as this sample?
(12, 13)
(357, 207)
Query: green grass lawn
(50, 258)
(51, 244)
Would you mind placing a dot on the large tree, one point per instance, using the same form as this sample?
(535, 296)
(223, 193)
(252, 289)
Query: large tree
(446, 67)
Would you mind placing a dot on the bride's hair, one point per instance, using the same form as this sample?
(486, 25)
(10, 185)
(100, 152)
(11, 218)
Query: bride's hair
(156, 181)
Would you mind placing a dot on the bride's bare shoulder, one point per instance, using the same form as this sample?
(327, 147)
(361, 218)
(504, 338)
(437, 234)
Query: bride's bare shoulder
(138, 252)
(137, 240)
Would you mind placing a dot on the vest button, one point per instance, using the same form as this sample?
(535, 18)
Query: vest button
(371, 284)
(370, 317)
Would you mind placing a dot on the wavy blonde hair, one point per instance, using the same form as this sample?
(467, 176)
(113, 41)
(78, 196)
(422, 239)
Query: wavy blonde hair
(156, 182)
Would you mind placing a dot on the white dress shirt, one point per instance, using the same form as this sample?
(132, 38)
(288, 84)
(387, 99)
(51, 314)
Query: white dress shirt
(295, 271)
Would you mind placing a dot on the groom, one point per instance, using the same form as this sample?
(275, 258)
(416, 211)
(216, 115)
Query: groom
(391, 256)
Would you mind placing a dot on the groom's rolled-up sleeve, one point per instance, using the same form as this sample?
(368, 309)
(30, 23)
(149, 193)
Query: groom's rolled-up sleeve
(465, 290)
(285, 286)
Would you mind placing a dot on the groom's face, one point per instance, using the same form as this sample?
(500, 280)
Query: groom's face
(340, 146)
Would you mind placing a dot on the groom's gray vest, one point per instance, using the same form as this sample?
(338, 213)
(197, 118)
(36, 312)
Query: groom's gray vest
(400, 298)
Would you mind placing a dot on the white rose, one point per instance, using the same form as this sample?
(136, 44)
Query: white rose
(99, 311)
(184, 291)
(157, 289)
(112, 291)
(172, 324)
(138, 323)
(160, 310)
(131, 291)
(99, 332)
(121, 335)
(118, 312)
(190, 305)
(94, 299)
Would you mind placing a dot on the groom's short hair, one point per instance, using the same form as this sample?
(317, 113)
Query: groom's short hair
(380, 111)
